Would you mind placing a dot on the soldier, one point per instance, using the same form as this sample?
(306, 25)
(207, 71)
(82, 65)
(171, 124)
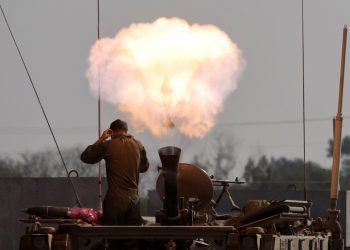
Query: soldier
(125, 158)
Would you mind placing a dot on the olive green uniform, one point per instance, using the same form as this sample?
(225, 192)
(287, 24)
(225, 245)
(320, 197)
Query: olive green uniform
(125, 158)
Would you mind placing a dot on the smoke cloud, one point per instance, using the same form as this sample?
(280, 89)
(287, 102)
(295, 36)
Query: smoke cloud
(166, 74)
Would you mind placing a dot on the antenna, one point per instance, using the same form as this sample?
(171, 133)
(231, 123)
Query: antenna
(303, 59)
(99, 114)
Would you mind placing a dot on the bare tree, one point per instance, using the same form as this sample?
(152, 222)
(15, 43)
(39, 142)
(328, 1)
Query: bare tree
(73, 162)
(219, 159)
(8, 167)
(39, 164)
(48, 163)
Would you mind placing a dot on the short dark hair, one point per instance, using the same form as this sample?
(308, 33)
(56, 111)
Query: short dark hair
(119, 125)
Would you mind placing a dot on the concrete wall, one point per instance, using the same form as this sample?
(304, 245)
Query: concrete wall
(20, 193)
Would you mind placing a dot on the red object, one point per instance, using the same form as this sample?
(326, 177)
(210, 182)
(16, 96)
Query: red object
(85, 214)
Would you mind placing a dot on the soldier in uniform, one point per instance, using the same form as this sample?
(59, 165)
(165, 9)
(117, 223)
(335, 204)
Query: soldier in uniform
(125, 159)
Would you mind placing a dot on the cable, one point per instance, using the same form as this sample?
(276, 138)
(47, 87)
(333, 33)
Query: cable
(41, 106)
(277, 122)
(82, 130)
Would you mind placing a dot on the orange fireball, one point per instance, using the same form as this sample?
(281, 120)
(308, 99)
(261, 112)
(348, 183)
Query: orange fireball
(167, 73)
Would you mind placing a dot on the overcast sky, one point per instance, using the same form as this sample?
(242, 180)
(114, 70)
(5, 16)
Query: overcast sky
(55, 38)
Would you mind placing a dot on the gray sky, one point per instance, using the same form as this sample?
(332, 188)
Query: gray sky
(55, 38)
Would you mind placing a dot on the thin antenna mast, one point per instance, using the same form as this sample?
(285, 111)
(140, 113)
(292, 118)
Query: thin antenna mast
(303, 60)
(99, 115)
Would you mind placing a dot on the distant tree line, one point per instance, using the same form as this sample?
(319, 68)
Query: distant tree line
(274, 173)
(260, 173)
(282, 173)
(46, 164)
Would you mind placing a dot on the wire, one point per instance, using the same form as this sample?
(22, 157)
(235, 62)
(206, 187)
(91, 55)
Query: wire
(83, 130)
(41, 106)
(277, 122)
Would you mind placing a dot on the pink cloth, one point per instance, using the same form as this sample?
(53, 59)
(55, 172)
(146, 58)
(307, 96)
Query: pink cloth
(85, 214)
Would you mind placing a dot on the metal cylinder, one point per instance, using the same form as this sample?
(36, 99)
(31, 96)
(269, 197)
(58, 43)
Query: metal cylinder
(169, 157)
(338, 128)
(48, 211)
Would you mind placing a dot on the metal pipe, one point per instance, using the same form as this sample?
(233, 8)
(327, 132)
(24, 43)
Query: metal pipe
(169, 157)
(333, 213)
(338, 130)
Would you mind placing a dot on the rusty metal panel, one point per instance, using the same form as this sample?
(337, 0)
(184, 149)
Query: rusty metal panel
(217, 236)
(269, 242)
(233, 241)
(293, 244)
(36, 242)
(283, 244)
(61, 242)
(250, 242)
(304, 244)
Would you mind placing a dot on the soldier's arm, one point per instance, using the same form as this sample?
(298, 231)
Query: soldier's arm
(92, 154)
(95, 153)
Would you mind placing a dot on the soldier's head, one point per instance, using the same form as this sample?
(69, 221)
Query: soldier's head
(119, 126)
